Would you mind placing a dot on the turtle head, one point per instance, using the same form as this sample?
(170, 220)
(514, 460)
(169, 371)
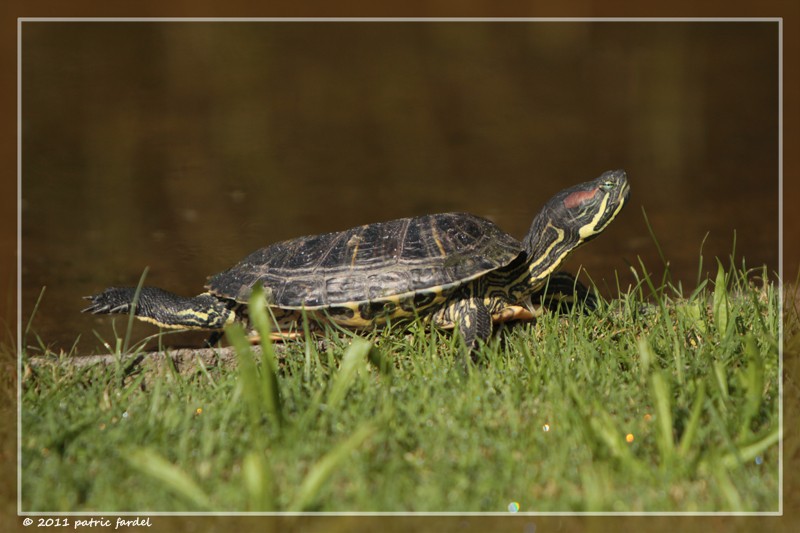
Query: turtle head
(571, 218)
(583, 211)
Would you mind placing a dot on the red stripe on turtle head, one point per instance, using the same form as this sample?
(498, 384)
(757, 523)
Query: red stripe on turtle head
(578, 197)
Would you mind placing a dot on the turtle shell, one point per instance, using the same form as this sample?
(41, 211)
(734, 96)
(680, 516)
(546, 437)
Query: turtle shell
(372, 263)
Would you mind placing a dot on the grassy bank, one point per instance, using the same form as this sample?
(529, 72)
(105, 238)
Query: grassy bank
(658, 401)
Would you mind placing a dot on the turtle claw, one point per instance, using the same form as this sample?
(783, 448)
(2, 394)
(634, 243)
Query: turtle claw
(110, 301)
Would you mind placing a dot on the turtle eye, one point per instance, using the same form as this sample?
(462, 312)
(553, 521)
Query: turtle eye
(607, 185)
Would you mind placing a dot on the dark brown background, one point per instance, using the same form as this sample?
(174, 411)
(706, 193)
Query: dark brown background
(787, 9)
(185, 146)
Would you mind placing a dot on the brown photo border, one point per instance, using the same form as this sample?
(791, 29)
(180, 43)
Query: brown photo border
(788, 10)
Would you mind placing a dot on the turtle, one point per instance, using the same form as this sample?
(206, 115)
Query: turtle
(453, 270)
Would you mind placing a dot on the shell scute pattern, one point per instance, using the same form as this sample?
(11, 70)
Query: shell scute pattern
(397, 261)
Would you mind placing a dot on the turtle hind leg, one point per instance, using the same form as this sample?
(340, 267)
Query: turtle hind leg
(114, 300)
(164, 308)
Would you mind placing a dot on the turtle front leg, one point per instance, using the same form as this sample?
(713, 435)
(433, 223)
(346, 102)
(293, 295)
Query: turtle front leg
(474, 323)
(561, 292)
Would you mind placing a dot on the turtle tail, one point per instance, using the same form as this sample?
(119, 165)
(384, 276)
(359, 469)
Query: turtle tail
(163, 308)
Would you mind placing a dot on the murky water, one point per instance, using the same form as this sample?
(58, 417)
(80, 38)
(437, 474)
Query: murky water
(185, 146)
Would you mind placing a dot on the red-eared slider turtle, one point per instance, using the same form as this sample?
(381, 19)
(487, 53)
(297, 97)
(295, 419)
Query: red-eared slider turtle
(452, 269)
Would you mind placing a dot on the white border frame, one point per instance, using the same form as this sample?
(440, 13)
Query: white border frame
(101, 514)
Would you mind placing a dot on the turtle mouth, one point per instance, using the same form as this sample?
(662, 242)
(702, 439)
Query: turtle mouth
(613, 210)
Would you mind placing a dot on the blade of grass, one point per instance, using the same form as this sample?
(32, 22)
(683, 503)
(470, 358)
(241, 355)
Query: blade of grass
(677, 352)
(324, 468)
(604, 427)
(727, 488)
(257, 482)
(132, 314)
(169, 476)
(204, 370)
(700, 262)
(353, 362)
(157, 397)
(247, 373)
(309, 348)
(694, 420)
(661, 396)
(598, 423)
(749, 452)
(381, 361)
(657, 294)
(720, 302)
(753, 380)
(722, 383)
(257, 307)
(30, 320)
(646, 356)
(664, 261)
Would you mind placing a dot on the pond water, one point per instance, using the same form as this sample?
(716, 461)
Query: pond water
(184, 146)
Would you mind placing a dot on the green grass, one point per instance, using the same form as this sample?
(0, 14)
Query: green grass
(656, 402)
